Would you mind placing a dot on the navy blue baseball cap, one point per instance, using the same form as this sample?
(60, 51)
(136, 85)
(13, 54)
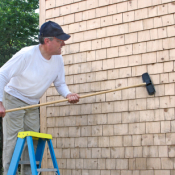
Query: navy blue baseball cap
(52, 29)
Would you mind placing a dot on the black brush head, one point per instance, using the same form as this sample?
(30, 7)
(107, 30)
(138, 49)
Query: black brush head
(149, 85)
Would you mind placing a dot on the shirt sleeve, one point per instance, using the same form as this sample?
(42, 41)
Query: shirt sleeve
(9, 70)
(60, 83)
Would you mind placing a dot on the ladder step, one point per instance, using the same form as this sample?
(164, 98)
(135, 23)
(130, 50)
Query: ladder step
(27, 162)
(47, 170)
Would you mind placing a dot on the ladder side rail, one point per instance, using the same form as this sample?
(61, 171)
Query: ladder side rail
(16, 156)
(40, 151)
(52, 153)
(32, 155)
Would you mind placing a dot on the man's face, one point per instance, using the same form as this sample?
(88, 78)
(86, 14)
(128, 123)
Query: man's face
(54, 46)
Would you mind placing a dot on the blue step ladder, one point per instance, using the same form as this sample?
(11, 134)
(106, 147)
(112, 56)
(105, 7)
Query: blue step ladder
(35, 158)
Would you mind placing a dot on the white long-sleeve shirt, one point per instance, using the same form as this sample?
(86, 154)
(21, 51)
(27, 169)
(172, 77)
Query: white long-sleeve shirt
(27, 75)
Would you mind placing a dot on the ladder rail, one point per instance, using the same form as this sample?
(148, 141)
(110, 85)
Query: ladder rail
(16, 156)
(52, 153)
(40, 151)
(32, 155)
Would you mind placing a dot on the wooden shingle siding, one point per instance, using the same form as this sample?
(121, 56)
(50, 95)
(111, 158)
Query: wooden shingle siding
(113, 42)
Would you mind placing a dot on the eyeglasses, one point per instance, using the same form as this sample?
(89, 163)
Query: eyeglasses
(60, 41)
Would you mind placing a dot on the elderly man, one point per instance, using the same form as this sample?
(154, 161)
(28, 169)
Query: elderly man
(23, 81)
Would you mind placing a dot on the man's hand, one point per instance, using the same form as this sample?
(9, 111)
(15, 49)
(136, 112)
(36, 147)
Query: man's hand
(73, 98)
(2, 110)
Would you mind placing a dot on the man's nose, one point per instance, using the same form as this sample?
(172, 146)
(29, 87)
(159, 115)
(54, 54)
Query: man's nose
(63, 43)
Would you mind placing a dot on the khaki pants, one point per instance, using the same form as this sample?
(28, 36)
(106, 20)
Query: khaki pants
(14, 122)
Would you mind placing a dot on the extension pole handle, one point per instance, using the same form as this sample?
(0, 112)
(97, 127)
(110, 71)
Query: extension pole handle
(84, 96)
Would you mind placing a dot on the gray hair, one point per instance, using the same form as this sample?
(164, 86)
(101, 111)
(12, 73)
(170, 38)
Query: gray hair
(41, 39)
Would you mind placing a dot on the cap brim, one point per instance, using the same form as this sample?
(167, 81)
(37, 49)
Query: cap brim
(63, 36)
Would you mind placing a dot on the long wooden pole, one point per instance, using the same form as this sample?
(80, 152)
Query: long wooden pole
(84, 96)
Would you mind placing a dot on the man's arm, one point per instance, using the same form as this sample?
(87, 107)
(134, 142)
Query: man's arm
(2, 110)
(10, 69)
(62, 88)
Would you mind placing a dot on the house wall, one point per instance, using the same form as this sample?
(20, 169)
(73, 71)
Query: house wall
(113, 42)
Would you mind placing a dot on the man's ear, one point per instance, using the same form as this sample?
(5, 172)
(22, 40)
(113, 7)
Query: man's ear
(46, 40)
